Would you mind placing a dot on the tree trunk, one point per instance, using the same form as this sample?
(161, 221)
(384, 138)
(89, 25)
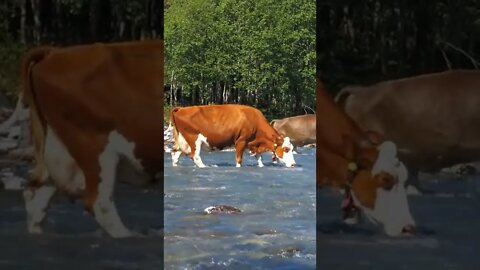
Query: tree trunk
(36, 20)
(23, 15)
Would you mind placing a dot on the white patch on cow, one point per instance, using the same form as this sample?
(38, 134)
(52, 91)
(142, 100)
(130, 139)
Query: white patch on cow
(104, 207)
(391, 206)
(182, 143)
(36, 204)
(288, 158)
(259, 160)
(61, 166)
(238, 165)
(183, 146)
(198, 147)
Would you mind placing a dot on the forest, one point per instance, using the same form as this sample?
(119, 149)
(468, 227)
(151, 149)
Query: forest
(29, 23)
(363, 42)
(260, 53)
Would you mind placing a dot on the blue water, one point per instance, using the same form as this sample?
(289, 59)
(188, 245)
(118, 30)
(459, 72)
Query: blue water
(276, 229)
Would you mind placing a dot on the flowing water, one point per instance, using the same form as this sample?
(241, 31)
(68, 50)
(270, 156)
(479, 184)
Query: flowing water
(448, 226)
(275, 230)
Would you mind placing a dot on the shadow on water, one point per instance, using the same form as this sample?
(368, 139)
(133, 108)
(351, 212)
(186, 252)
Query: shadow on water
(338, 227)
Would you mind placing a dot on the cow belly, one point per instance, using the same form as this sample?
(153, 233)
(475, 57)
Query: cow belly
(62, 168)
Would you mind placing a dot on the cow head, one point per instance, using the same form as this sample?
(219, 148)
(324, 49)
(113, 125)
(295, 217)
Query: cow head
(379, 190)
(280, 146)
(283, 150)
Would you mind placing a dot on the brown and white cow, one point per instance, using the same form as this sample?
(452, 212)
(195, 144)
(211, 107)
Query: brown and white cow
(219, 126)
(433, 118)
(301, 129)
(363, 164)
(93, 107)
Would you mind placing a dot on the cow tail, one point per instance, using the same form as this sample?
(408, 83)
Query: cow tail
(175, 130)
(37, 122)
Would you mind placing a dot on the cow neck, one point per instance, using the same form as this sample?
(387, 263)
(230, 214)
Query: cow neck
(269, 133)
(349, 168)
(345, 135)
(340, 127)
(328, 112)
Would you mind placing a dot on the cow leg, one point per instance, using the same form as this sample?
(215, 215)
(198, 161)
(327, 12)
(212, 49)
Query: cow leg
(104, 208)
(176, 153)
(240, 146)
(198, 147)
(274, 158)
(37, 200)
(180, 145)
(259, 160)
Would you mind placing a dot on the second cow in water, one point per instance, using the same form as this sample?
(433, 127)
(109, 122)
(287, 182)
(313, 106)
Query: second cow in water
(300, 129)
(433, 118)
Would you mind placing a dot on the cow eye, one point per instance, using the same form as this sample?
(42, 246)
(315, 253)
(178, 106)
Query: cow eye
(286, 149)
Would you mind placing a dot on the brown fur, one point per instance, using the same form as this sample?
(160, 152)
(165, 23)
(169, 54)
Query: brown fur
(85, 92)
(340, 141)
(433, 118)
(300, 129)
(226, 125)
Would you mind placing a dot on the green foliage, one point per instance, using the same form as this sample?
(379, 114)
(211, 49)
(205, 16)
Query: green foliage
(259, 53)
(10, 58)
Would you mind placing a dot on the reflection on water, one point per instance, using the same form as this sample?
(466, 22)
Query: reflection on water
(275, 230)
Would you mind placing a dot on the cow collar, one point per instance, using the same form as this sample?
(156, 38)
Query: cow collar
(274, 155)
(348, 207)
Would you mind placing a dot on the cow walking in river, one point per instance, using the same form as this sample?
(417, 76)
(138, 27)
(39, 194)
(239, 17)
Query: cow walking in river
(219, 126)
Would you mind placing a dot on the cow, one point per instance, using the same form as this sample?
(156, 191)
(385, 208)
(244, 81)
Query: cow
(363, 165)
(433, 118)
(219, 126)
(301, 129)
(93, 107)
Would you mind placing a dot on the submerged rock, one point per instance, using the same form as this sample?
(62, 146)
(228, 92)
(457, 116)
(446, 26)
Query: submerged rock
(221, 209)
